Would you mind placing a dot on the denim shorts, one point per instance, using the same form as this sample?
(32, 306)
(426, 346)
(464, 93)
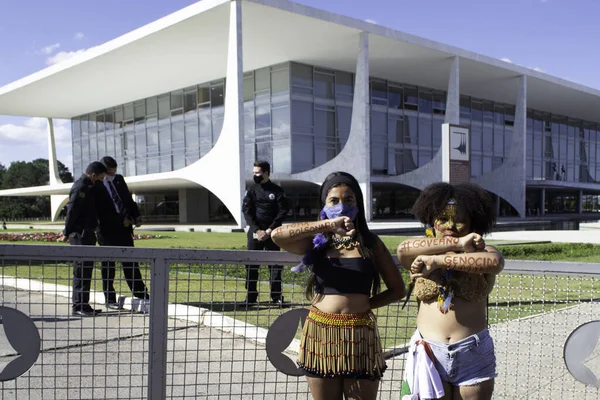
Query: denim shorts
(467, 362)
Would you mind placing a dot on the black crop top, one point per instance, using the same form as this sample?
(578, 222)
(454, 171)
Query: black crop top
(344, 275)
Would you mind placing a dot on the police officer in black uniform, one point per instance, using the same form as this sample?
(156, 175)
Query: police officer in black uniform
(265, 207)
(80, 227)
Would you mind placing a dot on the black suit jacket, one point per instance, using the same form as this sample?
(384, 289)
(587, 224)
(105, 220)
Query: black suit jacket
(126, 197)
(110, 221)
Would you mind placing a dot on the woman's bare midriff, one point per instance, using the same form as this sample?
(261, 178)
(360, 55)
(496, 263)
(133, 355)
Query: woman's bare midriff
(463, 320)
(343, 303)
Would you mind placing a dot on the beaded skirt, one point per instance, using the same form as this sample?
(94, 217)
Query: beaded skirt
(341, 345)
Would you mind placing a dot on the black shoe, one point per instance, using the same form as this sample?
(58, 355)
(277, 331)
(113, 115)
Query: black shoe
(113, 305)
(246, 304)
(280, 302)
(86, 311)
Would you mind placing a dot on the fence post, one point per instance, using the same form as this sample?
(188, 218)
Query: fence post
(157, 349)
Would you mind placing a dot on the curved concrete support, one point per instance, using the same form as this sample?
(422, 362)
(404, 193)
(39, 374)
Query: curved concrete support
(57, 202)
(508, 180)
(220, 171)
(357, 150)
(431, 172)
(52, 161)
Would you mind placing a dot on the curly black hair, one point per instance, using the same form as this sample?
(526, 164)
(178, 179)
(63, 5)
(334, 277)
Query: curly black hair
(471, 200)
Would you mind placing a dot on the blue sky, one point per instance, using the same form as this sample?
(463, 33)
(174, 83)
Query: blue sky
(559, 37)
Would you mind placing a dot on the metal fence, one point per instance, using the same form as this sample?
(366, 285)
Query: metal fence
(197, 341)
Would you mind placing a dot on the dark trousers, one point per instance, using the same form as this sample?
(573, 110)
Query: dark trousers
(82, 270)
(252, 270)
(131, 270)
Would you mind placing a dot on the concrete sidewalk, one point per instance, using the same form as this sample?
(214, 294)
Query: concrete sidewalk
(529, 356)
(106, 357)
(588, 233)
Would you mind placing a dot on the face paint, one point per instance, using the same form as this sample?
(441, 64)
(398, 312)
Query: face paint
(449, 224)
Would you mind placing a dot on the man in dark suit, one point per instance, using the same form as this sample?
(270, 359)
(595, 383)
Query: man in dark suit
(117, 214)
(80, 226)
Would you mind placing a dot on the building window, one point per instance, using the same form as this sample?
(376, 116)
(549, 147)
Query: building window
(280, 80)
(217, 94)
(302, 78)
(411, 98)
(324, 84)
(379, 95)
(344, 86)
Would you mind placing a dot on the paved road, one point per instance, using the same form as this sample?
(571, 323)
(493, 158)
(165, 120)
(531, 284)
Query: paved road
(106, 358)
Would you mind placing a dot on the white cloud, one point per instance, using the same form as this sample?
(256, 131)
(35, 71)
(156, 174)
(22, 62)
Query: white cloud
(371, 21)
(49, 49)
(63, 55)
(508, 60)
(79, 36)
(28, 140)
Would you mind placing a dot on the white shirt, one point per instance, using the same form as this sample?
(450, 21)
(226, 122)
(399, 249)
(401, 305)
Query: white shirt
(420, 372)
(108, 185)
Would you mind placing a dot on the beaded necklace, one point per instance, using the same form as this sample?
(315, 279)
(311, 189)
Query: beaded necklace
(448, 284)
(347, 243)
(446, 288)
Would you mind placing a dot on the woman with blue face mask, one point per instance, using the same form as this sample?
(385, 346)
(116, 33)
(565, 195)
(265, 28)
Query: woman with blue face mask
(340, 348)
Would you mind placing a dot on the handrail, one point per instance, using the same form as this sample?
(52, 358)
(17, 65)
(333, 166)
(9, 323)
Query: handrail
(63, 253)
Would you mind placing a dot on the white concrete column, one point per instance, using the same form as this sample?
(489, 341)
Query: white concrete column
(519, 142)
(57, 202)
(52, 160)
(228, 183)
(234, 108)
(453, 94)
(358, 146)
(361, 123)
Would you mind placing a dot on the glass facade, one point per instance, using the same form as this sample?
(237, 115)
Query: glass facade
(159, 207)
(321, 114)
(406, 126)
(491, 126)
(298, 116)
(561, 148)
(393, 201)
(170, 131)
(590, 203)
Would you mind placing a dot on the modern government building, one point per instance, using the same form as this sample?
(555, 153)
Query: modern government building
(187, 103)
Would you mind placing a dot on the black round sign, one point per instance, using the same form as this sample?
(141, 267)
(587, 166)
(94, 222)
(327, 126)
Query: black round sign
(279, 337)
(580, 344)
(23, 336)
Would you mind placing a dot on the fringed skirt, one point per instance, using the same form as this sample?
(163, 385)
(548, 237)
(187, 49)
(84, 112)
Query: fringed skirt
(341, 345)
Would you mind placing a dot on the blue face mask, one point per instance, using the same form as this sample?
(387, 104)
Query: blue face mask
(340, 210)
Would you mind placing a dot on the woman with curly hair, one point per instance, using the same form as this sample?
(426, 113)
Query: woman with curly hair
(340, 349)
(452, 273)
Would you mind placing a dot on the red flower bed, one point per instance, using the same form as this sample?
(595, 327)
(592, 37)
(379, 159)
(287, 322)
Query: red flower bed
(55, 237)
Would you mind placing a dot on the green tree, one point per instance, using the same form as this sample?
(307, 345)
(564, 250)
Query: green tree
(65, 175)
(26, 174)
(41, 165)
(2, 171)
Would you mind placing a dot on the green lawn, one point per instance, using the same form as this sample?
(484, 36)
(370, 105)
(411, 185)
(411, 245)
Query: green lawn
(583, 252)
(217, 286)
